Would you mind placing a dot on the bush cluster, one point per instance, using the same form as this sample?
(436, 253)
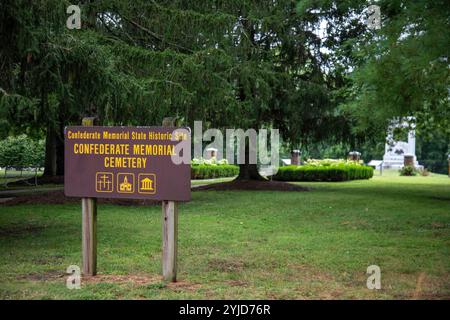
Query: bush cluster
(21, 151)
(204, 171)
(331, 162)
(209, 169)
(338, 172)
(211, 161)
(408, 171)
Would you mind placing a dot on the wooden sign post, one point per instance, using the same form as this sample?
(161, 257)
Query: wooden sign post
(169, 232)
(169, 239)
(89, 241)
(89, 226)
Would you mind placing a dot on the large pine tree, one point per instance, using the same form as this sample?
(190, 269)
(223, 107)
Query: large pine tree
(245, 64)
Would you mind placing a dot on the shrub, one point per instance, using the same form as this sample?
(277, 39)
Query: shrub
(424, 172)
(334, 172)
(408, 171)
(210, 171)
(331, 162)
(213, 160)
(21, 151)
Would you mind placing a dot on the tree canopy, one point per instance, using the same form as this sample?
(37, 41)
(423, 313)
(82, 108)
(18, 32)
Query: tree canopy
(402, 69)
(235, 63)
(247, 64)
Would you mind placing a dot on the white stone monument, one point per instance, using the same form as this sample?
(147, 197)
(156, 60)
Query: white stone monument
(395, 151)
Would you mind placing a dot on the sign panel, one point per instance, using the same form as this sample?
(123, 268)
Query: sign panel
(126, 162)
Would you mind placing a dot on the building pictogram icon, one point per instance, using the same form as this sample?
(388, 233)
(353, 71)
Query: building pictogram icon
(125, 182)
(104, 182)
(147, 183)
(125, 185)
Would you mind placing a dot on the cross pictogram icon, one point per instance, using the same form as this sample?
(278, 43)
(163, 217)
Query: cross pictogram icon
(104, 182)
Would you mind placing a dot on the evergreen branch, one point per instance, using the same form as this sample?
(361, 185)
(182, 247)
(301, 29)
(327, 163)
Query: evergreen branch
(155, 35)
(112, 32)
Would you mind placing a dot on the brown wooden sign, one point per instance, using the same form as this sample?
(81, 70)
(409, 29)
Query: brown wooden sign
(125, 162)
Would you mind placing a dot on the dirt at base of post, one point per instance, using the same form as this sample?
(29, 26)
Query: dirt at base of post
(58, 197)
(256, 185)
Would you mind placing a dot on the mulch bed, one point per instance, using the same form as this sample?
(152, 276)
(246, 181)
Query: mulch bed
(58, 197)
(252, 185)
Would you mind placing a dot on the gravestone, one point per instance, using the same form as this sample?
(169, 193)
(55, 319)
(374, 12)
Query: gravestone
(295, 157)
(211, 153)
(354, 156)
(409, 160)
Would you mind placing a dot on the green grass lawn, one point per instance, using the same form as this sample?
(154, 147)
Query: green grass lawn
(245, 245)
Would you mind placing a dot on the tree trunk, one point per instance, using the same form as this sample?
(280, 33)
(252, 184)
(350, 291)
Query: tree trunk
(54, 153)
(247, 170)
(60, 151)
(50, 152)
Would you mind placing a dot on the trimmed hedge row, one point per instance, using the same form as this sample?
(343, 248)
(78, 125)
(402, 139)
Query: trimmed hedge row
(205, 171)
(342, 172)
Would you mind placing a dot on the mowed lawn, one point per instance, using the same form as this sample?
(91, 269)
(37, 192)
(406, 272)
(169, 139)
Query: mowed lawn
(244, 245)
